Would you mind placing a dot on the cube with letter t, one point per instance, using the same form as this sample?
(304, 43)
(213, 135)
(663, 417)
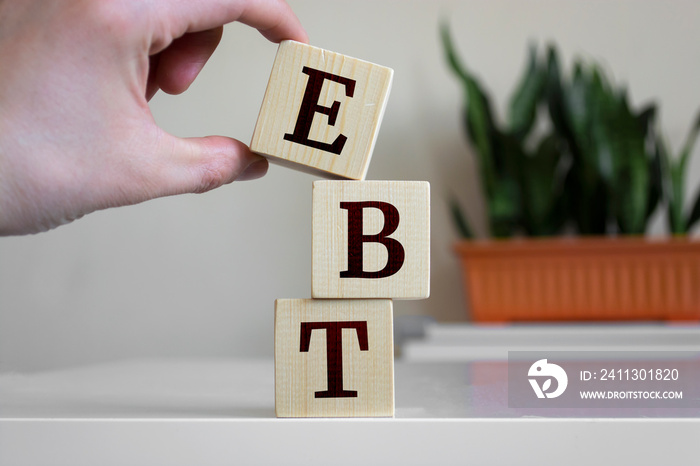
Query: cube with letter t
(321, 111)
(371, 239)
(334, 358)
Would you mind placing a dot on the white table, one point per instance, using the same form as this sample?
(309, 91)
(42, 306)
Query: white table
(210, 412)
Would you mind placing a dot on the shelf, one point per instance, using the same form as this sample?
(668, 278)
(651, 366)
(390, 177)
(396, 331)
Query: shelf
(468, 342)
(216, 412)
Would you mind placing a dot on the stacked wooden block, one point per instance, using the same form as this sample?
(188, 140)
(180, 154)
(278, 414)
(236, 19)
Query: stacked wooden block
(334, 353)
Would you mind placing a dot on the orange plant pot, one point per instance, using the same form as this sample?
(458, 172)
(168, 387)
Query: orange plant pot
(582, 279)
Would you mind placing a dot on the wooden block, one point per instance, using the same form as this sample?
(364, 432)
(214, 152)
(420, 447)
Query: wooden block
(321, 111)
(371, 239)
(334, 358)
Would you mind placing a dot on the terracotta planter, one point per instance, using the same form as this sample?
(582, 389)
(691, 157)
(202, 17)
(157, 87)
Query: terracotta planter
(582, 279)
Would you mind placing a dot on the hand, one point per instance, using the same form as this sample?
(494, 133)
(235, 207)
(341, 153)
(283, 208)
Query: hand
(76, 132)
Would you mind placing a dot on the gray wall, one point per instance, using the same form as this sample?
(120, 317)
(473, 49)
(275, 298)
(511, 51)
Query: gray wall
(197, 275)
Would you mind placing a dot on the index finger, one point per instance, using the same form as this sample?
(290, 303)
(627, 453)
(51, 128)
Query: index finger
(273, 18)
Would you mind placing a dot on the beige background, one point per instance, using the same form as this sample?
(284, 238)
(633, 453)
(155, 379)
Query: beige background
(197, 275)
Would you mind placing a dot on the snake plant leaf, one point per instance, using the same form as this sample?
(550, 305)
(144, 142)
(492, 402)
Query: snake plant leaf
(541, 182)
(679, 178)
(600, 79)
(646, 118)
(630, 191)
(503, 208)
(525, 100)
(655, 184)
(674, 173)
(478, 116)
(602, 158)
(673, 188)
(585, 194)
(554, 90)
(578, 103)
(694, 214)
(459, 219)
(689, 143)
(602, 107)
(677, 223)
(632, 209)
(587, 200)
(450, 53)
(590, 149)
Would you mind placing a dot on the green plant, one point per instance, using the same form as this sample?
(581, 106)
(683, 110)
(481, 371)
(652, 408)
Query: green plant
(674, 183)
(594, 170)
(615, 174)
(522, 186)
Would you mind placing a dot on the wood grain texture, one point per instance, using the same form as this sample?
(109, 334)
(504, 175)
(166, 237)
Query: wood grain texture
(349, 103)
(367, 366)
(335, 247)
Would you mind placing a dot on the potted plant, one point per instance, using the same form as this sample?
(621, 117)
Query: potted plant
(568, 206)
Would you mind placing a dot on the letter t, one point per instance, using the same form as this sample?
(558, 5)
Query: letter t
(334, 352)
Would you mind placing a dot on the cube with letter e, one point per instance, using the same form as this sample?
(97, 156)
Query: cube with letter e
(321, 111)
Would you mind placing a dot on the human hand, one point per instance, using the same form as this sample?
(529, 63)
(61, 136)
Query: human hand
(76, 132)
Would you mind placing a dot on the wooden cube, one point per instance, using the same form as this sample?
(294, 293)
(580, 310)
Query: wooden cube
(371, 239)
(321, 111)
(334, 358)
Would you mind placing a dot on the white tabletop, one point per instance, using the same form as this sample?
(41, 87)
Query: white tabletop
(209, 412)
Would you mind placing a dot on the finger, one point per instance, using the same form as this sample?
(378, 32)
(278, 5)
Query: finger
(275, 25)
(152, 83)
(197, 165)
(273, 18)
(181, 62)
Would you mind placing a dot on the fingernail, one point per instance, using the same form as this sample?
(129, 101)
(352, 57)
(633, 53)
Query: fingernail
(254, 171)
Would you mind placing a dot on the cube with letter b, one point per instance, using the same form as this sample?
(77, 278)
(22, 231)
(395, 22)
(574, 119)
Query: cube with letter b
(321, 111)
(371, 239)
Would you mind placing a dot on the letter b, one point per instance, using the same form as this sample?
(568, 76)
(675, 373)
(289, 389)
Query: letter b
(357, 239)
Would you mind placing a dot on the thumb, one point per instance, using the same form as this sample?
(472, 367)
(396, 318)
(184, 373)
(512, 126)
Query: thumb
(197, 165)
